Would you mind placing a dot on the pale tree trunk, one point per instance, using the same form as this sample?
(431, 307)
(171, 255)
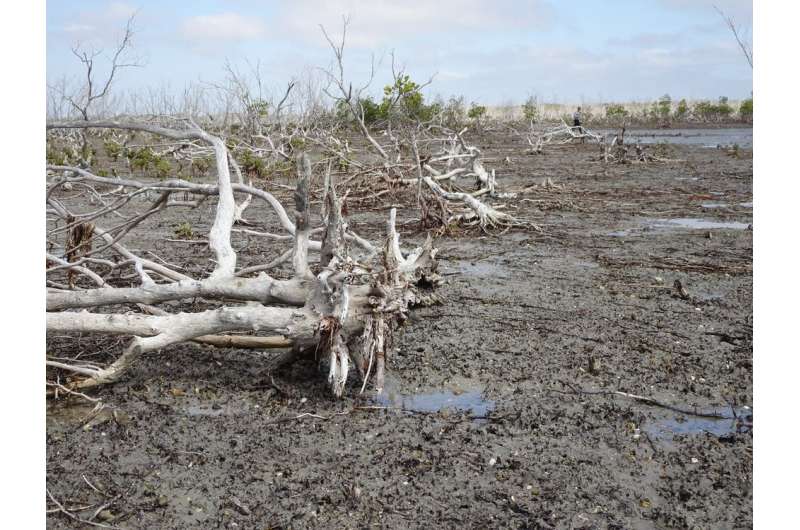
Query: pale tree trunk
(344, 311)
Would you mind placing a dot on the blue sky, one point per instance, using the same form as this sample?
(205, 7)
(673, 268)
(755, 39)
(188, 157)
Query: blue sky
(489, 51)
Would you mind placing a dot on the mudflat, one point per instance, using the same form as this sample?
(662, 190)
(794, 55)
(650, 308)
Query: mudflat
(594, 373)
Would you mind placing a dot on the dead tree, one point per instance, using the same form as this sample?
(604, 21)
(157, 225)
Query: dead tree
(461, 160)
(746, 47)
(94, 90)
(621, 153)
(564, 133)
(343, 306)
(344, 91)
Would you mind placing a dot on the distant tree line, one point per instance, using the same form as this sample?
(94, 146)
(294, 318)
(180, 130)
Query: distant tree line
(664, 111)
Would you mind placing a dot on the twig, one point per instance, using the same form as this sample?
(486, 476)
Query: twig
(642, 399)
(62, 388)
(72, 515)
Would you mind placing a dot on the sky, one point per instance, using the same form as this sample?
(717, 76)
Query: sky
(490, 51)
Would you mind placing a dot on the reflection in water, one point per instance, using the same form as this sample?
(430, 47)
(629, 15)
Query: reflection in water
(471, 401)
(704, 137)
(689, 425)
(697, 224)
(686, 222)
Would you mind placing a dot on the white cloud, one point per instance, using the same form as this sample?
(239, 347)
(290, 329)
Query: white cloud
(119, 10)
(571, 74)
(378, 22)
(222, 27)
(741, 10)
(100, 27)
(78, 28)
(451, 75)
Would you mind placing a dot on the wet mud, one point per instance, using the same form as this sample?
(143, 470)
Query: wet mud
(499, 411)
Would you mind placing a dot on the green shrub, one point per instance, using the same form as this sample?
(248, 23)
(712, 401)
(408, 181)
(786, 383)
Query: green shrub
(616, 112)
(113, 149)
(682, 110)
(723, 109)
(530, 110)
(141, 159)
(55, 156)
(372, 111)
(162, 167)
(259, 108)
(746, 110)
(200, 165)
(252, 165)
(87, 151)
(184, 231)
(664, 107)
(707, 111)
(476, 112)
(403, 100)
(703, 110)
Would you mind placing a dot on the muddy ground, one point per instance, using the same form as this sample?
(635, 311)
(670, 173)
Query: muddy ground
(499, 411)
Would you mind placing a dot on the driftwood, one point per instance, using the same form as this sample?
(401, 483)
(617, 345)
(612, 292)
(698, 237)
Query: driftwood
(344, 306)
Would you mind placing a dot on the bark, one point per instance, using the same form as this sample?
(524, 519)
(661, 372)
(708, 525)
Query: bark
(345, 313)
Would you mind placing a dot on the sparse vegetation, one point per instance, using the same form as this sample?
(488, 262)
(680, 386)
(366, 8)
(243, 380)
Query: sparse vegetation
(746, 110)
(56, 156)
(161, 166)
(184, 231)
(664, 107)
(712, 112)
(252, 165)
(454, 113)
(530, 110)
(616, 113)
(681, 110)
(576, 319)
(141, 159)
(113, 149)
(200, 166)
(476, 113)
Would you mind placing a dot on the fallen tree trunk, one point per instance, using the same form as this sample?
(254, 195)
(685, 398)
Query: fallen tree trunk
(345, 310)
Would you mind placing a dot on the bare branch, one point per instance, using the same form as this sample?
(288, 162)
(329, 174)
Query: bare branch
(747, 48)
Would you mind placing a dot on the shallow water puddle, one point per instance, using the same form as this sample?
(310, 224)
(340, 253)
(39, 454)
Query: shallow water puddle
(697, 224)
(685, 222)
(461, 400)
(667, 428)
(709, 138)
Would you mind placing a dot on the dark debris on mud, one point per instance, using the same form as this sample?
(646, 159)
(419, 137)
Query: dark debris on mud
(202, 437)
